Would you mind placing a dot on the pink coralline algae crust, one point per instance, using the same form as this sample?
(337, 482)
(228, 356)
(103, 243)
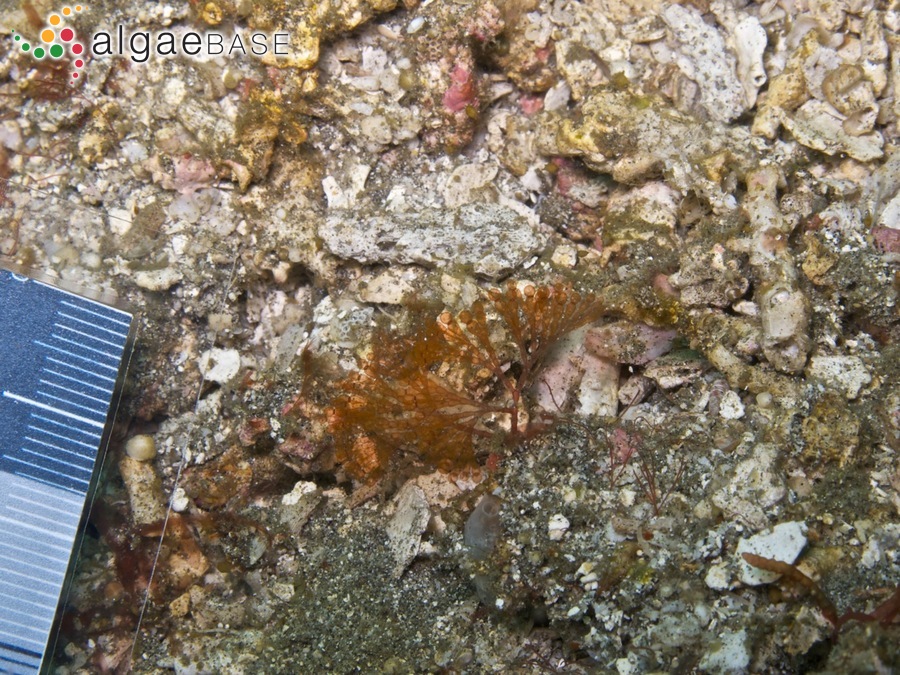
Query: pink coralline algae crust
(886, 239)
(463, 90)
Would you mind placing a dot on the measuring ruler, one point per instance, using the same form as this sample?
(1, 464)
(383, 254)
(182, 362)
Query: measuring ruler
(62, 359)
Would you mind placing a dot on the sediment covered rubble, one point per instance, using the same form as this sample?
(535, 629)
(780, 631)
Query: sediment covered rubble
(722, 178)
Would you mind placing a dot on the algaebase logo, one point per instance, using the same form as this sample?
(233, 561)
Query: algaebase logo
(58, 40)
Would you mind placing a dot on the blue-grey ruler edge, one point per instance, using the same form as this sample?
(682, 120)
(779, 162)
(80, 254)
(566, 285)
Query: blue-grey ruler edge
(64, 354)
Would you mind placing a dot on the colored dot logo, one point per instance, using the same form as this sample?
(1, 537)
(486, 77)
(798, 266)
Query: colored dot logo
(56, 40)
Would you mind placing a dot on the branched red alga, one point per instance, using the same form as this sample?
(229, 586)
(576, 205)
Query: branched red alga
(428, 396)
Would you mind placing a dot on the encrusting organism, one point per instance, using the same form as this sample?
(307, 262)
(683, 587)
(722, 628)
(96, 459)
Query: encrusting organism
(432, 393)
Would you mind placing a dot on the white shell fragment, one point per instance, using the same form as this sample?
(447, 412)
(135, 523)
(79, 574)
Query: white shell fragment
(120, 221)
(557, 527)
(729, 653)
(415, 25)
(469, 183)
(701, 55)
(848, 374)
(298, 504)
(405, 529)
(158, 280)
(598, 392)
(220, 365)
(718, 577)
(750, 43)
(390, 287)
(784, 543)
(731, 407)
(819, 126)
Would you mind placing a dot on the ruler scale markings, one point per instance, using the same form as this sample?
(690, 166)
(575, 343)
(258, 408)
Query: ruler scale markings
(93, 325)
(50, 408)
(20, 654)
(57, 559)
(72, 391)
(53, 484)
(37, 580)
(3, 632)
(56, 447)
(57, 547)
(36, 567)
(51, 596)
(58, 374)
(56, 497)
(74, 356)
(24, 618)
(15, 664)
(14, 610)
(60, 562)
(68, 402)
(60, 569)
(87, 335)
(125, 324)
(26, 512)
(53, 505)
(14, 623)
(54, 459)
(77, 381)
(81, 345)
(55, 435)
(35, 604)
(43, 530)
(46, 505)
(16, 649)
(31, 629)
(65, 426)
(45, 469)
(82, 370)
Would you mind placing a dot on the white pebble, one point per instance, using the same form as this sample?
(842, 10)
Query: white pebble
(727, 654)
(158, 280)
(220, 365)
(119, 221)
(730, 407)
(185, 208)
(141, 448)
(180, 500)
(718, 577)
(586, 568)
(415, 25)
(134, 151)
(11, 135)
(301, 489)
(557, 527)
(847, 374)
(784, 543)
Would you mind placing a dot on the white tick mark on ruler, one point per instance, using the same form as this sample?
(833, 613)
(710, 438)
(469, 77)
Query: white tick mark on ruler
(50, 408)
